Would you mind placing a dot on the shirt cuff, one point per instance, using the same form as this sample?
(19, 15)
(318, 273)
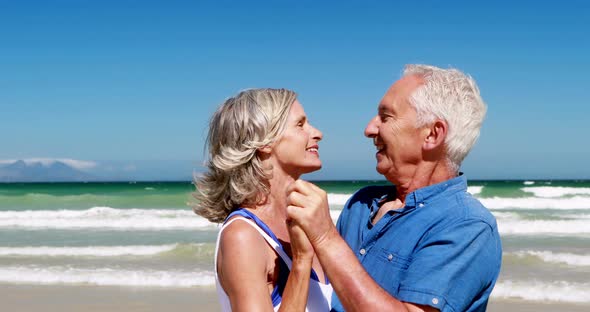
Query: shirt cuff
(424, 298)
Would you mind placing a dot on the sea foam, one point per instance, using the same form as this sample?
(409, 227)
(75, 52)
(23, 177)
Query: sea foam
(576, 202)
(338, 199)
(474, 190)
(551, 257)
(90, 251)
(110, 218)
(105, 217)
(561, 291)
(528, 227)
(104, 277)
(556, 191)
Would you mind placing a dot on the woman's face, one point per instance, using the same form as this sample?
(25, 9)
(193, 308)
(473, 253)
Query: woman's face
(296, 150)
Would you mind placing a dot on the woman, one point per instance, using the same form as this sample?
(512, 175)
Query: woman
(260, 141)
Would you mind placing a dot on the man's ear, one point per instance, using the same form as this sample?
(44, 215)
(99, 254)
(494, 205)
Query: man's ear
(436, 135)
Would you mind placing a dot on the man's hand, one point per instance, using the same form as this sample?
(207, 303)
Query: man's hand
(308, 207)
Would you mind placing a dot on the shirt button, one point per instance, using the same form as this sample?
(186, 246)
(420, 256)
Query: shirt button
(434, 301)
(390, 257)
(421, 205)
(363, 251)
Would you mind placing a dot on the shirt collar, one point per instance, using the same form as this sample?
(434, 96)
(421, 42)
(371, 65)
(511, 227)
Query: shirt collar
(425, 194)
(421, 195)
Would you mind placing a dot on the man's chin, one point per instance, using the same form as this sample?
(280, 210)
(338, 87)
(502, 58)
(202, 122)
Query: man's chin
(380, 170)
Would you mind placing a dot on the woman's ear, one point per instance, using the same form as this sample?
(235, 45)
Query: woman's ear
(436, 135)
(265, 149)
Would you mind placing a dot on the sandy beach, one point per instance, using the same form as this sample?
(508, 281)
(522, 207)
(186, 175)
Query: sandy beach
(104, 298)
(93, 298)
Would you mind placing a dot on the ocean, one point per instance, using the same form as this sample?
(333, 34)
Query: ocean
(143, 236)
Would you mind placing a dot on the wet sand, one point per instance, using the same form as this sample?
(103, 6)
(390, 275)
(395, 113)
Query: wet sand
(93, 298)
(527, 306)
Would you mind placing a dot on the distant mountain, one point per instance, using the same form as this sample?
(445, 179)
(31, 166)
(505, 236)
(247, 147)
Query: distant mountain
(56, 171)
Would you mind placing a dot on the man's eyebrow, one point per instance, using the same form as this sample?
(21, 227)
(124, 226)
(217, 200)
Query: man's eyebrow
(383, 108)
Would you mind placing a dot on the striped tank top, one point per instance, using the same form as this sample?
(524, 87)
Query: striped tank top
(320, 294)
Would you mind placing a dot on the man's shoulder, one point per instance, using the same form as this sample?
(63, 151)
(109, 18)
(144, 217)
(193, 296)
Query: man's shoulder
(474, 210)
(467, 208)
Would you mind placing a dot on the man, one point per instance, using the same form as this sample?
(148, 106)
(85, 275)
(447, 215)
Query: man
(423, 244)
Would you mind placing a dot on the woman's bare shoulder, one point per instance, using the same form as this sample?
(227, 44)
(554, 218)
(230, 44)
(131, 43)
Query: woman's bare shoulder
(241, 242)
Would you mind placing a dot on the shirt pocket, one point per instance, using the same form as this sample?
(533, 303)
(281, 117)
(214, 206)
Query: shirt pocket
(387, 268)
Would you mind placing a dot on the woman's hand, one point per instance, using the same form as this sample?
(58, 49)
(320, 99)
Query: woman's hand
(301, 248)
(297, 288)
(308, 207)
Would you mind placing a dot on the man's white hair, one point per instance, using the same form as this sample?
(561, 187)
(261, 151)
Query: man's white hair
(452, 96)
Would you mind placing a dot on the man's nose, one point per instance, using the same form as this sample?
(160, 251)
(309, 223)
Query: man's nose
(372, 127)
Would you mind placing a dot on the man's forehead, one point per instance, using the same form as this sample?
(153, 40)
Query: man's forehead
(401, 89)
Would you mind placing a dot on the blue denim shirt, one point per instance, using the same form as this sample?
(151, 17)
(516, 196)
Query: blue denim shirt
(442, 249)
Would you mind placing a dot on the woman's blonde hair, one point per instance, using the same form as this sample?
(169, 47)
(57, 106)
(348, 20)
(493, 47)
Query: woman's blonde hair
(237, 130)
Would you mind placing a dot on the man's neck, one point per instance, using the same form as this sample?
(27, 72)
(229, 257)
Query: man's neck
(425, 174)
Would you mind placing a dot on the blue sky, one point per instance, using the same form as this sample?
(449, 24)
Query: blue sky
(130, 85)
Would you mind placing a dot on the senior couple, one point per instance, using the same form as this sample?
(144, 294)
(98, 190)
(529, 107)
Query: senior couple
(420, 244)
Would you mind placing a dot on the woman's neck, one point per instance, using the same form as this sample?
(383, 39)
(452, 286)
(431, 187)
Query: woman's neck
(273, 212)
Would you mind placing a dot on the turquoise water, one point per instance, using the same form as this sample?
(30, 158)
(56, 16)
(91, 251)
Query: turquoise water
(38, 196)
(145, 235)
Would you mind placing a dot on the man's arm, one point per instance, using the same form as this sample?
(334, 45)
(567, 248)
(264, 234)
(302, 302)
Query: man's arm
(308, 206)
